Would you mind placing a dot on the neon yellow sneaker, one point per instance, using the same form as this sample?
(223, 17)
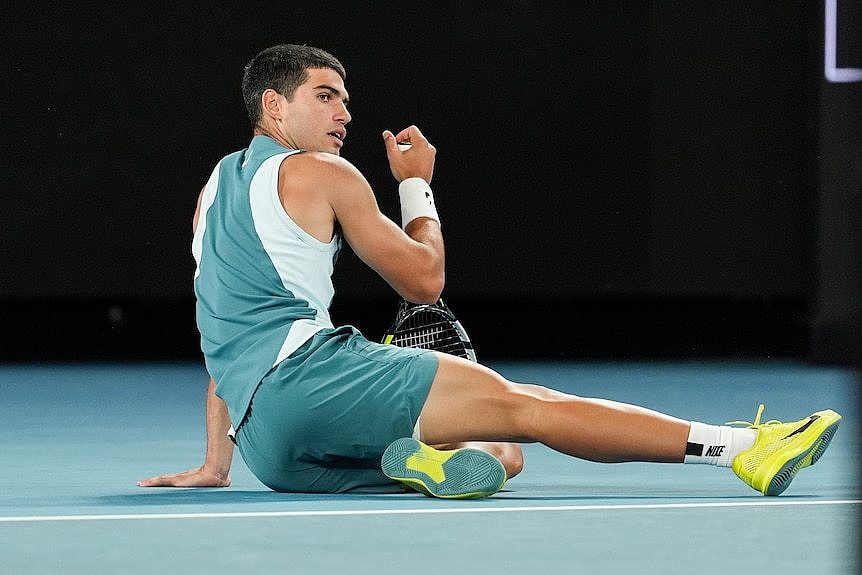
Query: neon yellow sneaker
(453, 474)
(782, 449)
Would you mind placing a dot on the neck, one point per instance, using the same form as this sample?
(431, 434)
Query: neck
(264, 131)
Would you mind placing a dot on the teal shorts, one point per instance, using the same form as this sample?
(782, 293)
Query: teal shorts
(321, 419)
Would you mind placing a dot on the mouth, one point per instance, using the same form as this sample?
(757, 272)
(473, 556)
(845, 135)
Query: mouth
(338, 135)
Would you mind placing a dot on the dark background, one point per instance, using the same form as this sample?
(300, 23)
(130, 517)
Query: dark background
(615, 179)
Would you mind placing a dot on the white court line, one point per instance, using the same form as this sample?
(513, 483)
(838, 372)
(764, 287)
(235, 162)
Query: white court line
(417, 511)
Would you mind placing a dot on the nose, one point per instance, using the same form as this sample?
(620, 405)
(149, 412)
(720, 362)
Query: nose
(343, 115)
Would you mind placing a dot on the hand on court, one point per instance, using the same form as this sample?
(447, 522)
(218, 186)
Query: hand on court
(417, 162)
(200, 477)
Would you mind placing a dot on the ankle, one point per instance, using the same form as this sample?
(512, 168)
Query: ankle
(717, 444)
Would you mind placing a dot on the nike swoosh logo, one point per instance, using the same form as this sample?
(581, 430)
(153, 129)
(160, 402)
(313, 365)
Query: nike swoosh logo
(811, 420)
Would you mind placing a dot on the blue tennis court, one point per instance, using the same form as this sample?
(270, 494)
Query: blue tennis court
(77, 437)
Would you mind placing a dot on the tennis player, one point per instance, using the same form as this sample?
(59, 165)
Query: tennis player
(317, 408)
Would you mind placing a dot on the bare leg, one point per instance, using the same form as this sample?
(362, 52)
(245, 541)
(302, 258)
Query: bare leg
(469, 402)
(510, 454)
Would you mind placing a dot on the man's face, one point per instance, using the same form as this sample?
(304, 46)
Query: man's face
(316, 118)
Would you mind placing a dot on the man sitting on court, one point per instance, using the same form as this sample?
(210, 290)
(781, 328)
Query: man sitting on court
(318, 408)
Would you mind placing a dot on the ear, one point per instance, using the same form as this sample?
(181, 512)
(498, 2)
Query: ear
(270, 103)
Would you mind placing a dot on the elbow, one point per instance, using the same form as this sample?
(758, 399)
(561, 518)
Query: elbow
(427, 291)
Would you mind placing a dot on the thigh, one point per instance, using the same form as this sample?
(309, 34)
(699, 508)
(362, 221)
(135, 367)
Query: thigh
(471, 402)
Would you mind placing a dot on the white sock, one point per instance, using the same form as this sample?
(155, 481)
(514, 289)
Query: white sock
(717, 444)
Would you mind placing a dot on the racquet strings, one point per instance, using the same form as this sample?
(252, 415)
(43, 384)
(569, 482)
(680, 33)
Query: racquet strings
(429, 330)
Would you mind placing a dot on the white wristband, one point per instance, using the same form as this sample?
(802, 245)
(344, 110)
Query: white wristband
(417, 201)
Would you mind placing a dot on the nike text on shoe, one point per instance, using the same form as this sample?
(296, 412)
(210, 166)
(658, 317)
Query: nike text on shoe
(452, 474)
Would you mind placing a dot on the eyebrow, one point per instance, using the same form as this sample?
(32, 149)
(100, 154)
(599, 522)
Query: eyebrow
(335, 92)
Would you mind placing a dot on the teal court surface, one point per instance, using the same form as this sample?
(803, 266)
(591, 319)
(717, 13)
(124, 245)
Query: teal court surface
(76, 438)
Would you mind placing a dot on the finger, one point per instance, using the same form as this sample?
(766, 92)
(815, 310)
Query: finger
(151, 482)
(415, 135)
(409, 135)
(171, 480)
(389, 141)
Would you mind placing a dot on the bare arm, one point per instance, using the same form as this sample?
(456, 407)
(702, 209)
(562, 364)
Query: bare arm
(413, 263)
(318, 190)
(219, 454)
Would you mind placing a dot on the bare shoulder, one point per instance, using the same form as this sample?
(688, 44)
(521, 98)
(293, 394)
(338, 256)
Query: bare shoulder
(317, 189)
(321, 170)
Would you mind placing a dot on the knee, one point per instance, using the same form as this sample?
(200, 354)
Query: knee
(511, 456)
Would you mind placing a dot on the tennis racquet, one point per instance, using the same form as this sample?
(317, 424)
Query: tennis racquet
(432, 327)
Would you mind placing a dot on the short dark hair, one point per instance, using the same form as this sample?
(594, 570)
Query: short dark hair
(283, 68)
